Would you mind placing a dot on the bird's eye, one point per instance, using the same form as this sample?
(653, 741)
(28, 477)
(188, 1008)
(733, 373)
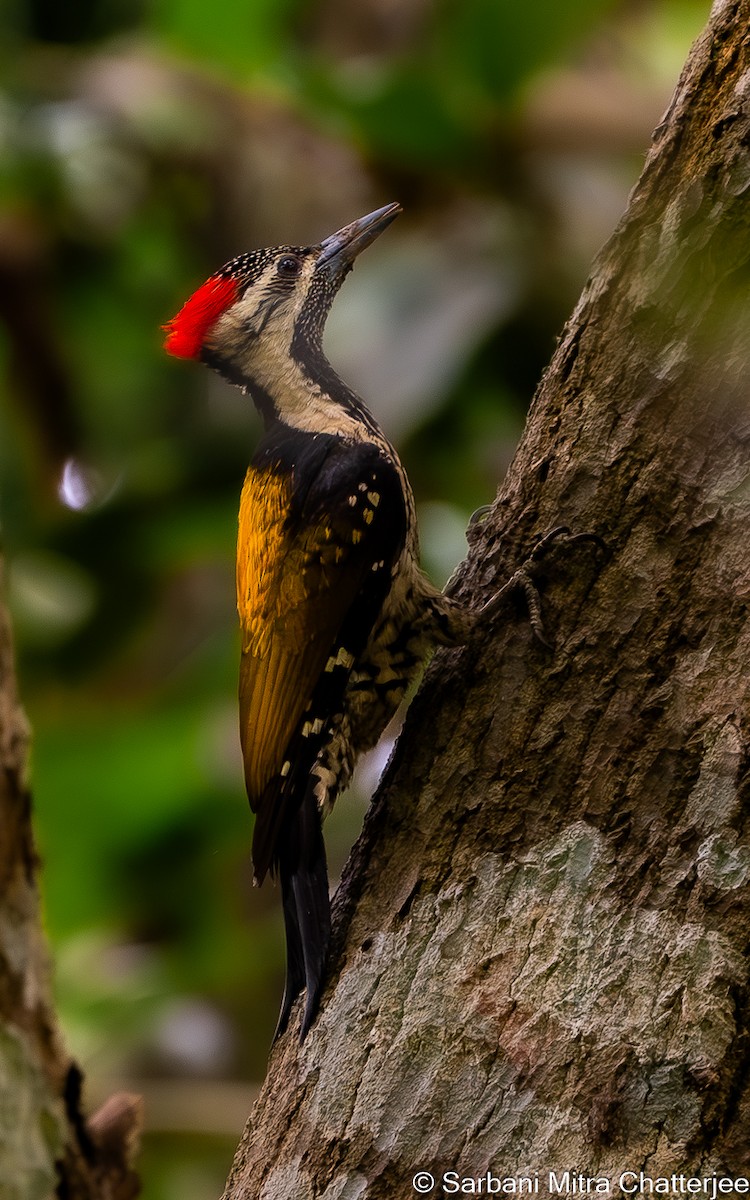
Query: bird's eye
(288, 265)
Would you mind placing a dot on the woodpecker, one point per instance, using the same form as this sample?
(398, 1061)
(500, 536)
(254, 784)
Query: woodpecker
(336, 615)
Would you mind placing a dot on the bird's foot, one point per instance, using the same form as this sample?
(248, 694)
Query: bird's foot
(524, 579)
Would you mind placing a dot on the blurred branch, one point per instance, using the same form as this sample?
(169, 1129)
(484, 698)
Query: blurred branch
(204, 1107)
(38, 369)
(46, 1146)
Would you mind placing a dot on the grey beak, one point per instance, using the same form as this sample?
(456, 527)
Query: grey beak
(339, 250)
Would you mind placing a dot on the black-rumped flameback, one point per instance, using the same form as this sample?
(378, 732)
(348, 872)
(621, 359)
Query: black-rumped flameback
(336, 615)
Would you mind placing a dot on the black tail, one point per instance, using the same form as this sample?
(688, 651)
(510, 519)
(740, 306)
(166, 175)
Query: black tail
(302, 867)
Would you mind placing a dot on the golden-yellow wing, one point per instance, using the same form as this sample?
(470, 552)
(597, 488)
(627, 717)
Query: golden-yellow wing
(293, 590)
(311, 569)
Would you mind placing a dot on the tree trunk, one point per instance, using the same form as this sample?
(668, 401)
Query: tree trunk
(46, 1147)
(541, 956)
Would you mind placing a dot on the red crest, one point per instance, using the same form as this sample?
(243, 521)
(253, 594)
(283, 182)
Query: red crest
(187, 331)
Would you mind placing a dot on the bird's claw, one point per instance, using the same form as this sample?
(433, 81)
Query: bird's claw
(546, 540)
(523, 579)
(479, 514)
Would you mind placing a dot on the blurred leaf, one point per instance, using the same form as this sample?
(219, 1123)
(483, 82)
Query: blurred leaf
(486, 49)
(437, 106)
(244, 38)
(106, 783)
(397, 112)
(50, 596)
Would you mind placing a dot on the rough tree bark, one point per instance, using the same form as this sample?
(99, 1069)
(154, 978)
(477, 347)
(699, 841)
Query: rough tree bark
(542, 934)
(46, 1147)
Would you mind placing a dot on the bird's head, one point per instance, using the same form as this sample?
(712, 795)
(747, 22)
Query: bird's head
(265, 310)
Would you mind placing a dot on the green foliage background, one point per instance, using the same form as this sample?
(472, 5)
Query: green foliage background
(141, 145)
